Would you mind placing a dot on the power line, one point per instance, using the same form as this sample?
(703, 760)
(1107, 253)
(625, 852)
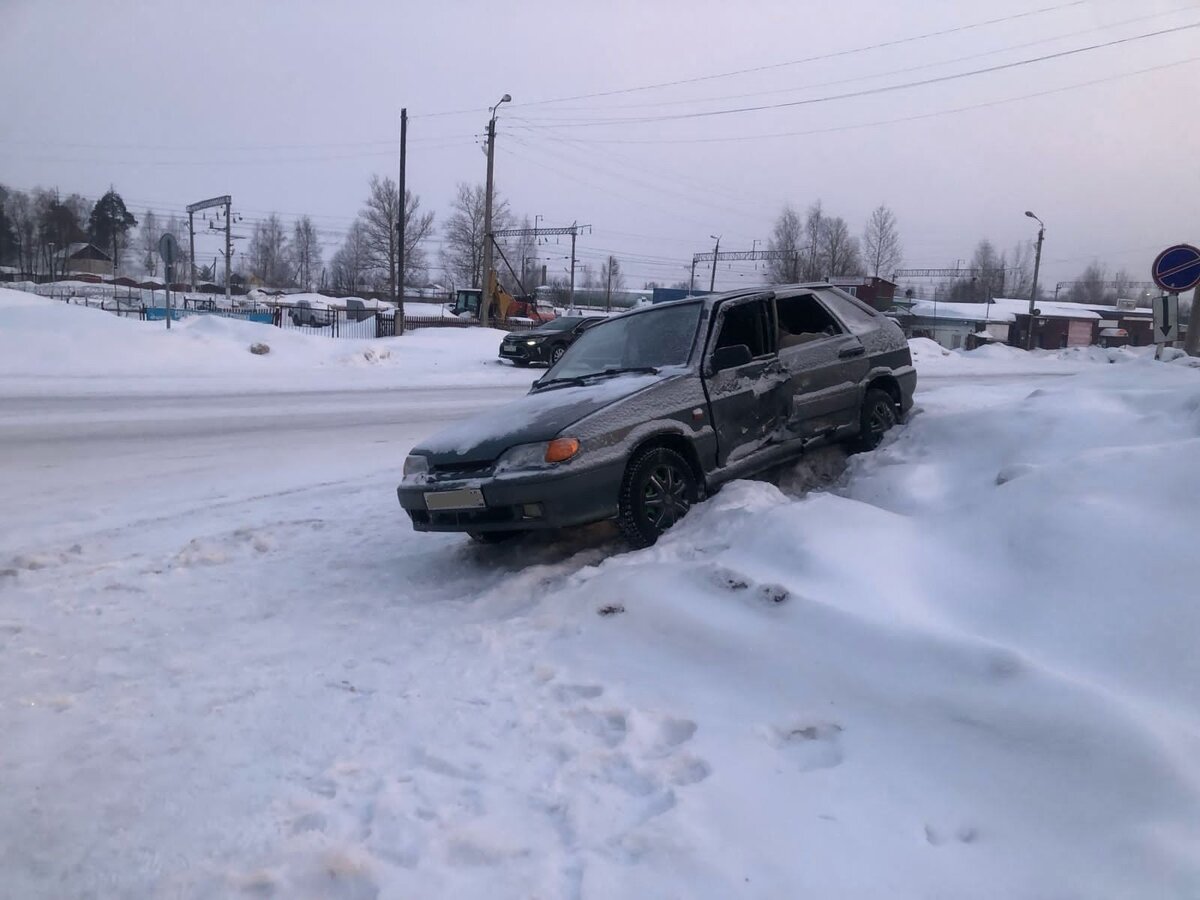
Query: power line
(624, 178)
(928, 65)
(866, 92)
(795, 62)
(958, 29)
(893, 121)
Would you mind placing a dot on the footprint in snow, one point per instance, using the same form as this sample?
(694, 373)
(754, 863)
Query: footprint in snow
(813, 745)
(964, 834)
(565, 693)
(609, 726)
(739, 583)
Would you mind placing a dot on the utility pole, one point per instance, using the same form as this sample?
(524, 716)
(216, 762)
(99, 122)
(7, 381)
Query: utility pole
(712, 282)
(1191, 340)
(792, 256)
(485, 307)
(692, 278)
(398, 290)
(571, 302)
(608, 289)
(227, 202)
(192, 248)
(1037, 265)
(228, 251)
(573, 230)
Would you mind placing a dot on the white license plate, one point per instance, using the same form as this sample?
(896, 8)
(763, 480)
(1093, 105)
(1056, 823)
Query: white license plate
(468, 498)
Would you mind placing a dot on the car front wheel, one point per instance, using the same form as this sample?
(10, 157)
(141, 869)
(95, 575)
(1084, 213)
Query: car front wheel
(557, 353)
(658, 490)
(878, 416)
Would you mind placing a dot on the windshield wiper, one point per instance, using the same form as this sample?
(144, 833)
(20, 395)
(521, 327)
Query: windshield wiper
(581, 380)
(577, 380)
(630, 370)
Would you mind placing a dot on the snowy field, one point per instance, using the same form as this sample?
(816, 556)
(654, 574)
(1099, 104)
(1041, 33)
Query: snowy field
(961, 666)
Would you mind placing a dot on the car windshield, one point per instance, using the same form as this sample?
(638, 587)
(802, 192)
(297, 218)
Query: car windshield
(562, 323)
(651, 339)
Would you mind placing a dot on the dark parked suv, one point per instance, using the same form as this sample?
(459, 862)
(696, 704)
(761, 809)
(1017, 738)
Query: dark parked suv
(547, 343)
(652, 410)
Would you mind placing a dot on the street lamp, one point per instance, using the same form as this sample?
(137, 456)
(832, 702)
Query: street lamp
(1037, 265)
(485, 307)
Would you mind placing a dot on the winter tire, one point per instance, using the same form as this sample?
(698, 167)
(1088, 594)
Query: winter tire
(877, 418)
(658, 490)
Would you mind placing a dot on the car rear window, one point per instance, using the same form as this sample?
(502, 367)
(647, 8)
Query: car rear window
(855, 314)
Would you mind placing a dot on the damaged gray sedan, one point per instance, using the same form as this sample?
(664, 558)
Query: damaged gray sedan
(651, 411)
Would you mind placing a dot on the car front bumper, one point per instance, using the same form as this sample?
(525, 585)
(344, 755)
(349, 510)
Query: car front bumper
(521, 501)
(907, 378)
(522, 352)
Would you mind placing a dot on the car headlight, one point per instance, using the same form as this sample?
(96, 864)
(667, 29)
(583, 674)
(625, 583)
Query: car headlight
(415, 465)
(531, 343)
(538, 456)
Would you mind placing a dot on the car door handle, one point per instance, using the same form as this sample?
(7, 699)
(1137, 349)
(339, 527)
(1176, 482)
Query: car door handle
(851, 352)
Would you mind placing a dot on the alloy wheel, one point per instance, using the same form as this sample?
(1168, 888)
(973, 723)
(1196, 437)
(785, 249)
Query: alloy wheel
(665, 497)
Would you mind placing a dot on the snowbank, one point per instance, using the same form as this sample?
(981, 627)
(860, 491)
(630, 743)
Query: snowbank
(932, 359)
(970, 671)
(46, 343)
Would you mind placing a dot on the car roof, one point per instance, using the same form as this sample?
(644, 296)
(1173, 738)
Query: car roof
(714, 299)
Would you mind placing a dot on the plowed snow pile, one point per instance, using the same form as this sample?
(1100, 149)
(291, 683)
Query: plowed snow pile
(969, 672)
(961, 666)
(47, 344)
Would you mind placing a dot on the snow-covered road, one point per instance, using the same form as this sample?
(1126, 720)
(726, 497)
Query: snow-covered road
(950, 669)
(77, 464)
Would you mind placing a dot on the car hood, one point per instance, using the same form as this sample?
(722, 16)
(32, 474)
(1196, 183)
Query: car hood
(536, 417)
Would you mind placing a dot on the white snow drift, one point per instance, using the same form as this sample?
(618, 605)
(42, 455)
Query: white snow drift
(961, 666)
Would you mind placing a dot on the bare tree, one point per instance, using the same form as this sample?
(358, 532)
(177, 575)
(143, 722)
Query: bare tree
(8, 238)
(1123, 289)
(519, 251)
(1089, 286)
(147, 242)
(1018, 275)
(268, 252)
(991, 266)
(306, 251)
(881, 243)
(462, 255)
(611, 278)
(987, 283)
(839, 248)
(23, 215)
(417, 227)
(59, 224)
(788, 237)
(813, 262)
(352, 261)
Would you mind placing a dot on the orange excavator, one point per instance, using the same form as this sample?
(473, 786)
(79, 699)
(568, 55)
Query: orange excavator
(467, 301)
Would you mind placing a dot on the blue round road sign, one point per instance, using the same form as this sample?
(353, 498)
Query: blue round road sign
(1177, 269)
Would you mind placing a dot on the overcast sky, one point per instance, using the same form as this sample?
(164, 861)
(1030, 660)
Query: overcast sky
(291, 106)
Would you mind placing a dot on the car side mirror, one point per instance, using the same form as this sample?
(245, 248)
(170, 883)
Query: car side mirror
(731, 357)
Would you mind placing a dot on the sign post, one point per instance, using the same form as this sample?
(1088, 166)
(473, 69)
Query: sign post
(1166, 322)
(1175, 270)
(168, 249)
